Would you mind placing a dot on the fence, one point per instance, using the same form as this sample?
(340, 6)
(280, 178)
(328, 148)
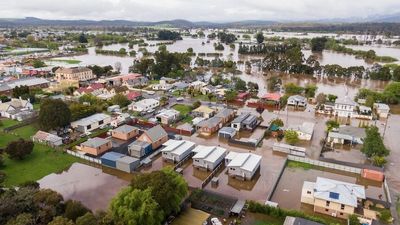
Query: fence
(178, 131)
(188, 157)
(329, 165)
(22, 124)
(205, 182)
(85, 157)
(277, 181)
(289, 149)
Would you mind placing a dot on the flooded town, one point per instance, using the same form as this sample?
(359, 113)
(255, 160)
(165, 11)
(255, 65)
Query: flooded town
(292, 119)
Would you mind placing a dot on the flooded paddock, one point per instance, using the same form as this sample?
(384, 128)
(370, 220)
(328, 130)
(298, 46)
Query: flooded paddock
(157, 164)
(288, 191)
(92, 186)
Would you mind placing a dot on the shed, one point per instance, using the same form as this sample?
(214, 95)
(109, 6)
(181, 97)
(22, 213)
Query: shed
(139, 149)
(110, 159)
(373, 175)
(127, 163)
(227, 132)
(237, 209)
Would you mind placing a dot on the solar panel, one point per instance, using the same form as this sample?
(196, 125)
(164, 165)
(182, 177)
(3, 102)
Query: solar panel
(333, 195)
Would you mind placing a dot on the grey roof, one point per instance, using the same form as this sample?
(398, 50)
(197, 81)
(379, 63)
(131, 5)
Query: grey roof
(9, 85)
(241, 117)
(228, 130)
(298, 98)
(352, 131)
(212, 122)
(127, 159)
(95, 142)
(125, 129)
(238, 207)
(346, 100)
(299, 221)
(139, 143)
(90, 119)
(225, 113)
(156, 133)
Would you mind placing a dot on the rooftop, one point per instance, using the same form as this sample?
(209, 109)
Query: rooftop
(90, 119)
(208, 153)
(125, 129)
(212, 122)
(177, 147)
(246, 161)
(156, 133)
(95, 142)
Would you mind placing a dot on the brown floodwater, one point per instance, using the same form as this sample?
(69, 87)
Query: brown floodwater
(92, 186)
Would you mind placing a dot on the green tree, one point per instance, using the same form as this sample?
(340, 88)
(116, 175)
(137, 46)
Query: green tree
(74, 210)
(332, 98)
(373, 143)
(87, 219)
(82, 38)
(321, 98)
(120, 99)
(293, 89)
(277, 122)
(318, 44)
(19, 149)
(379, 160)
(22, 219)
(291, 137)
(310, 90)
(135, 207)
(260, 37)
(37, 63)
(53, 114)
(196, 104)
(240, 85)
(353, 220)
(396, 73)
(122, 51)
(331, 124)
(59, 220)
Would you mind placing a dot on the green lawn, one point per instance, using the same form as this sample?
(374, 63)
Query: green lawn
(183, 109)
(36, 106)
(6, 138)
(294, 164)
(205, 98)
(42, 162)
(68, 61)
(26, 131)
(8, 123)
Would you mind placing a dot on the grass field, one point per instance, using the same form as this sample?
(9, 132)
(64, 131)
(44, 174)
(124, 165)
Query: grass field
(7, 123)
(294, 164)
(67, 61)
(183, 109)
(26, 132)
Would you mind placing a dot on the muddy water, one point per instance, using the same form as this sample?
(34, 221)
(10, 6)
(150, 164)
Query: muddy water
(288, 190)
(90, 185)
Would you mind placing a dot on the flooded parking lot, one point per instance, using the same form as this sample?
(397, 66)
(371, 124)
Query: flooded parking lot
(92, 186)
(288, 190)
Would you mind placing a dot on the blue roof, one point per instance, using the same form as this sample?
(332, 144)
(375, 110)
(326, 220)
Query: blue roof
(112, 156)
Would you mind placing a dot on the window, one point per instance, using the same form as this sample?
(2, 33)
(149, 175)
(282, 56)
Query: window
(328, 203)
(309, 192)
(341, 214)
(342, 207)
(88, 127)
(101, 122)
(326, 210)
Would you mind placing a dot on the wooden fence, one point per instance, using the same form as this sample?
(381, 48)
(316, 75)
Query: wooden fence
(208, 179)
(329, 165)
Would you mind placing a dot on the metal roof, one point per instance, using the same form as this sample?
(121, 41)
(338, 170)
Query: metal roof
(90, 119)
(113, 156)
(156, 133)
(125, 129)
(95, 142)
(208, 153)
(177, 147)
(246, 161)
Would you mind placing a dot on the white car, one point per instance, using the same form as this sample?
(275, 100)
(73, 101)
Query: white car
(215, 221)
(179, 99)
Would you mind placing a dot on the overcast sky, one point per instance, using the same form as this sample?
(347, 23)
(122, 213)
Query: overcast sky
(196, 10)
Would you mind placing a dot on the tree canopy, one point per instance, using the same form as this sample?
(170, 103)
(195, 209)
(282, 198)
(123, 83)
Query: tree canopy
(19, 149)
(373, 143)
(54, 113)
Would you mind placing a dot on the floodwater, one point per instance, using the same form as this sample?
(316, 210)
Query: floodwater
(288, 191)
(89, 185)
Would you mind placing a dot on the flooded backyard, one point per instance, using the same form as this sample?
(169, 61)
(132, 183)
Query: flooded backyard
(92, 186)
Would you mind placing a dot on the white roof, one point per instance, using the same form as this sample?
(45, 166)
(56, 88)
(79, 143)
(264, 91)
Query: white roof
(346, 100)
(90, 119)
(177, 147)
(306, 127)
(208, 153)
(246, 161)
(338, 191)
(168, 113)
(143, 103)
(381, 106)
(197, 120)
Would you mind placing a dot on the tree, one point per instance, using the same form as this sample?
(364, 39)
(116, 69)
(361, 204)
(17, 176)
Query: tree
(396, 73)
(87, 219)
(37, 63)
(291, 137)
(20, 91)
(310, 90)
(379, 160)
(168, 35)
(277, 122)
(353, 220)
(135, 207)
(122, 51)
(48, 204)
(373, 143)
(331, 124)
(74, 210)
(240, 84)
(144, 66)
(19, 149)
(293, 89)
(54, 113)
(318, 44)
(331, 98)
(260, 37)
(79, 110)
(22, 219)
(59, 220)
(321, 98)
(230, 95)
(167, 187)
(196, 104)
(120, 99)
(82, 38)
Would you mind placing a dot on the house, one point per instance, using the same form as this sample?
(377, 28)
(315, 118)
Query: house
(208, 89)
(197, 120)
(133, 95)
(94, 89)
(382, 110)
(92, 122)
(297, 101)
(125, 132)
(242, 165)
(332, 197)
(139, 149)
(209, 126)
(17, 108)
(144, 105)
(227, 132)
(7, 87)
(177, 150)
(272, 97)
(203, 111)
(156, 136)
(305, 130)
(197, 85)
(162, 86)
(95, 146)
(344, 107)
(74, 74)
(245, 121)
(289, 220)
(226, 115)
(110, 159)
(129, 80)
(47, 138)
(208, 157)
(121, 119)
(347, 135)
(168, 116)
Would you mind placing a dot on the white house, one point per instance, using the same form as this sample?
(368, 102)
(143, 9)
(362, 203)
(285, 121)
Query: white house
(168, 116)
(305, 130)
(16, 109)
(47, 138)
(162, 86)
(382, 110)
(197, 85)
(297, 100)
(208, 157)
(177, 150)
(242, 165)
(344, 107)
(92, 122)
(144, 105)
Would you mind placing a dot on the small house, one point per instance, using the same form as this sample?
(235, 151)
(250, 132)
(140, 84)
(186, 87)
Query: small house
(272, 97)
(297, 101)
(139, 149)
(92, 122)
(382, 110)
(344, 107)
(203, 111)
(47, 138)
(156, 136)
(227, 132)
(226, 115)
(245, 121)
(17, 109)
(242, 165)
(209, 126)
(144, 105)
(125, 132)
(208, 157)
(305, 130)
(347, 135)
(177, 150)
(168, 116)
(96, 146)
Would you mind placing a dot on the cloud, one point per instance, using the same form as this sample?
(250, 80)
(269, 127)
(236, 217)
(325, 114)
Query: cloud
(196, 10)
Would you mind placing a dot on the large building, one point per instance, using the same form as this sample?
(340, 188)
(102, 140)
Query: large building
(344, 107)
(144, 105)
(7, 86)
(332, 197)
(74, 74)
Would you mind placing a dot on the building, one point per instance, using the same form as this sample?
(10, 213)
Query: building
(382, 110)
(47, 138)
(177, 150)
(144, 105)
(197, 85)
(289, 220)
(127, 164)
(168, 116)
(162, 86)
(226, 115)
(17, 109)
(133, 95)
(347, 135)
(96, 146)
(297, 101)
(139, 149)
(344, 107)
(94, 89)
(92, 122)
(110, 159)
(129, 80)
(121, 119)
(125, 132)
(332, 197)
(242, 165)
(203, 111)
(208, 157)
(7, 87)
(245, 121)
(272, 97)
(74, 74)
(227, 132)
(305, 130)
(156, 136)
(209, 126)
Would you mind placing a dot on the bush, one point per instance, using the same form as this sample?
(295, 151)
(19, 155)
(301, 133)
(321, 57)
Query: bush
(74, 210)
(19, 149)
(385, 216)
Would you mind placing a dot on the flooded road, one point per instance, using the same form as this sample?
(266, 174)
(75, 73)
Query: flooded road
(90, 185)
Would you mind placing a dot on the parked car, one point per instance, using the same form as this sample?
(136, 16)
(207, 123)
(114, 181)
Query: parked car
(215, 221)
(179, 99)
